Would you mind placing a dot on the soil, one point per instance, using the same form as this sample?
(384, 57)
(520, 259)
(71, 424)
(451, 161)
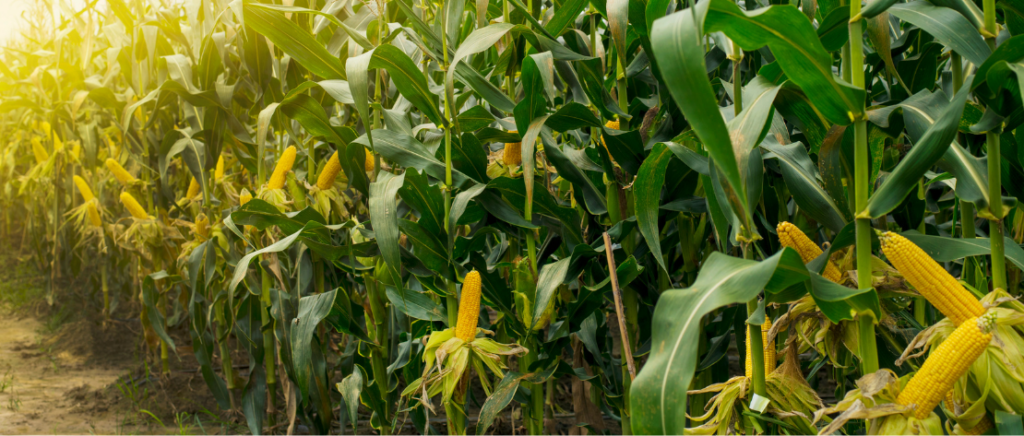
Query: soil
(66, 370)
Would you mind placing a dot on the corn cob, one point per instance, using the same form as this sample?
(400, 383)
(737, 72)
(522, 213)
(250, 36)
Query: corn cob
(218, 172)
(329, 173)
(513, 154)
(370, 163)
(119, 172)
(947, 363)
(244, 197)
(39, 151)
(791, 236)
(980, 428)
(469, 307)
(769, 350)
(930, 279)
(87, 196)
(83, 188)
(202, 226)
(133, 206)
(284, 165)
(193, 189)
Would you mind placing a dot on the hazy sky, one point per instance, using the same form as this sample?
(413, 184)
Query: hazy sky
(10, 17)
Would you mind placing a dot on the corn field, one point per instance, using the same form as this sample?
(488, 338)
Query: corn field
(437, 216)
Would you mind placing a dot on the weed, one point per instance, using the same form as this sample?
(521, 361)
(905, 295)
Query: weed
(7, 381)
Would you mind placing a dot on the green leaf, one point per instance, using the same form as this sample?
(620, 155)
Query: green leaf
(839, 303)
(834, 30)
(933, 145)
(418, 305)
(572, 116)
(592, 197)
(551, 277)
(944, 249)
(626, 147)
(478, 41)
(384, 216)
(659, 390)
(565, 14)
(404, 74)
(311, 116)
(350, 388)
(427, 246)
(150, 295)
(475, 118)
(1009, 423)
(515, 191)
(802, 181)
(497, 206)
(411, 153)
(499, 399)
(426, 199)
(312, 310)
(647, 194)
(295, 41)
(947, 26)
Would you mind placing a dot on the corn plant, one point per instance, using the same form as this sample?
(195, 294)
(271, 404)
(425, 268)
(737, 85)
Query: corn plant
(365, 214)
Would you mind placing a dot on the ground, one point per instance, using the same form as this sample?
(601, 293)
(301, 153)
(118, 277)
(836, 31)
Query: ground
(66, 370)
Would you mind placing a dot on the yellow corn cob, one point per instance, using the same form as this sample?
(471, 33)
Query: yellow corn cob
(930, 279)
(769, 350)
(613, 124)
(329, 173)
(83, 188)
(370, 163)
(469, 307)
(87, 196)
(218, 172)
(76, 150)
(244, 197)
(193, 189)
(133, 206)
(980, 428)
(45, 127)
(119, 172)
(946, 364)
(791, 236)
(513, 154)
(284, 165)
(39, 151)
(202, 226)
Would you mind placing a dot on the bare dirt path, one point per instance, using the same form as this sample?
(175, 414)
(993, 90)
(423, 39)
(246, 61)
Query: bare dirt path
(44, 393)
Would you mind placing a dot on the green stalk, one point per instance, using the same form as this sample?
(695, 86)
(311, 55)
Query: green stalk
(311, 162)
(737, 80)
(756, 341)
(269, 350)
(223, 336)
(920, 303)
(996, 206)
(533, 413)
(966, 209)
(106, 289)
(994, 174)
(165, 357)
(753, 332)
(455, 412)
(868, 347)
(379, 355)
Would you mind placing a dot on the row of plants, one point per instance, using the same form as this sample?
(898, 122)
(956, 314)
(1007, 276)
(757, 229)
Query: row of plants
(397, 210)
